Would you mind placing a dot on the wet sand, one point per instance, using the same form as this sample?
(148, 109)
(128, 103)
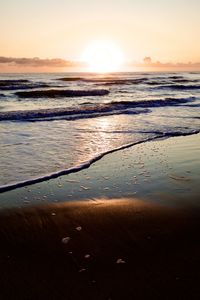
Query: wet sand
(108, 244)
(99, 249)
(163, 171)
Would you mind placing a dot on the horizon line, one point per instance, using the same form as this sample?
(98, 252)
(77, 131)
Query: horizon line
(31, 65)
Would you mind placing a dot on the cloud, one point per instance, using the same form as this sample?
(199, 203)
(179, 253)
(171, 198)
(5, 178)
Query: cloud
(147, 60)
(38, 62)
(148, 63)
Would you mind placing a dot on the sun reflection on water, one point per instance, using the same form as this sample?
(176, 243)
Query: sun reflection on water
(99, 135)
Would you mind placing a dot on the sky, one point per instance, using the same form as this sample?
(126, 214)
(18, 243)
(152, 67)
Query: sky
(165, 30)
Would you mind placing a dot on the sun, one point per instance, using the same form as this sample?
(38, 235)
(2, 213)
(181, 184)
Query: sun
(103, 57)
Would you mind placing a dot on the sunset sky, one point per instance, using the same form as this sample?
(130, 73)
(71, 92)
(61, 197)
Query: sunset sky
(165, 30)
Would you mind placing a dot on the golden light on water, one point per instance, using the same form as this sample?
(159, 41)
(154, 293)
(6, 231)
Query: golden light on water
(103, 57)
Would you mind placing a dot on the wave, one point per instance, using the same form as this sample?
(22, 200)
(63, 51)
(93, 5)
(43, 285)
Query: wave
(179, 87)
(109, 81)
(157, 83)
(182, 117)
(185, 80)
(88, 79)
(176, 77)
(66, 114)
(154, 103)
(122, 81)
(191, 105)
(106, 80)
(92, 111)
(12, 81)
(70, 79)
(52, 93)
(21, 84)
(88, 163)
(173, 83)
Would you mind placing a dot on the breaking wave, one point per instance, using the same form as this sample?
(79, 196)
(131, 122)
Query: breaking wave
(21, 84)
(66, 114)
(52, 93)
(185, 80)
(91, 111)
(155, 103)
(68, 79)
(106, 80)
(159, 80)
(179, 87)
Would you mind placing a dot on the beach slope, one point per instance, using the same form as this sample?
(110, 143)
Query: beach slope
(99, 249)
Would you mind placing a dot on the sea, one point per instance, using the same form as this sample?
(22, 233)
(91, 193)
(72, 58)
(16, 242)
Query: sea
(55, 124)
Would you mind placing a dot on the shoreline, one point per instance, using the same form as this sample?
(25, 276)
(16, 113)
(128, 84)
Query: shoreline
(165, 171)
(125, 228)
(87, 164)
(75, 169)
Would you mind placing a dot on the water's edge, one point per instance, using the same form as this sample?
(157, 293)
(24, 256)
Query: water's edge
(88, 163)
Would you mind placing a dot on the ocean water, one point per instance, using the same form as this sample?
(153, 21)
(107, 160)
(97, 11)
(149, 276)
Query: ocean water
(51, 124)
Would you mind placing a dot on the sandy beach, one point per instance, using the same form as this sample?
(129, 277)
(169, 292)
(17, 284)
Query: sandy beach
(99, 250)
(100, 150)
(141, 245)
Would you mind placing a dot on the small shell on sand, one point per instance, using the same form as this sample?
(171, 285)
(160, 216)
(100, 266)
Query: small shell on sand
(82, 270)
(85, 188)
(183, 178)
(26, 201)
(66, 239)
(72, 181)
(120, 261)
(79, 228)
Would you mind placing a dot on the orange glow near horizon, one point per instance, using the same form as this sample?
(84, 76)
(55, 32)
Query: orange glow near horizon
(140, 28)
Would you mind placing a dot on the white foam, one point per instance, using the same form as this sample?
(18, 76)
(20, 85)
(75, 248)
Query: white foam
(87, 163)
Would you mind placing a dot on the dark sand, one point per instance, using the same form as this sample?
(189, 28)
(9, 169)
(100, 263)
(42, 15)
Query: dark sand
(160, 247)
